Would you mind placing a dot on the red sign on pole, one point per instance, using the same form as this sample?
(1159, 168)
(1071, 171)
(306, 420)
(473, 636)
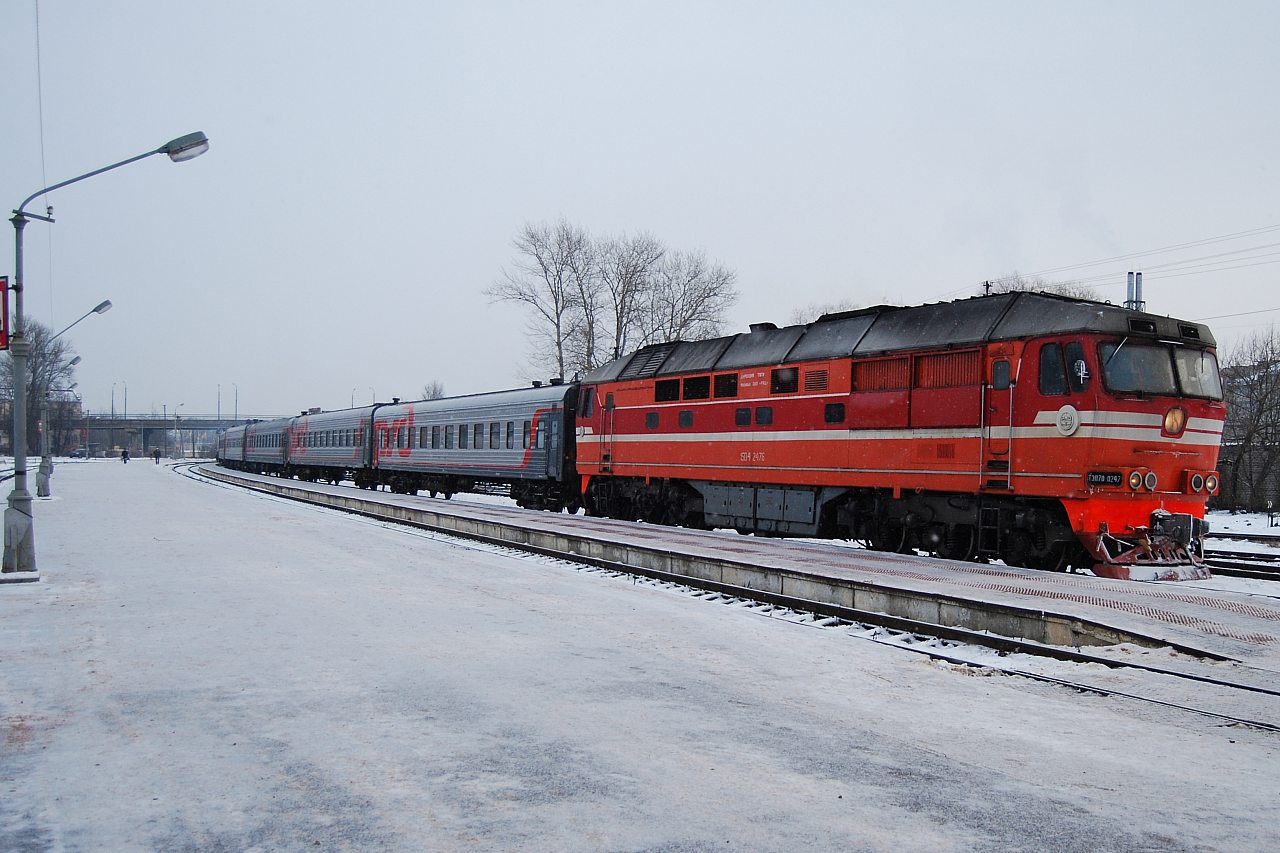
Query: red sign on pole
(4, 312)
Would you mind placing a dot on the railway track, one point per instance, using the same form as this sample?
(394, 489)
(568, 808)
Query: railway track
(945, 644)
(1244, 564)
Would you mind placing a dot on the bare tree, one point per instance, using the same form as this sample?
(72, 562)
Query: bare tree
(688, 299)
(433, 390)
(1016, 281)
(627, 266)
(593, 300)
(1251, 436)
(50, 375)
(543, 278)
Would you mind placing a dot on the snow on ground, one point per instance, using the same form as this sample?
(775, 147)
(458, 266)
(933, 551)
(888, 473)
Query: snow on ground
(204, 668)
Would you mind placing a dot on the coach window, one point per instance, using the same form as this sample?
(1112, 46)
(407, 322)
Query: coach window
(764, 415)
(435, 437)
(448, 437)
(1000, 378)
(1053, 379)
(697, 388)
(686, 418)
(462, 436)
(666, 390)
(540, 436)
(495, 436)
(784, 380)
(511, 435)
(834, 413)
(477, 436)
(742, 417)
(726, 385)
(524, 436)
(651, 420)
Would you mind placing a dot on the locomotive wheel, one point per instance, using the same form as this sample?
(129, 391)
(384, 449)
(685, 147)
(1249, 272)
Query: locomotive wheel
(1054, 560)
(888, 534)
(1017, 548)
(961, 542)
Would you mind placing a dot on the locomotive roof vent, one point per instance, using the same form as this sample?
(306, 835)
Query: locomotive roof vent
(763, 327)
(1141, 327)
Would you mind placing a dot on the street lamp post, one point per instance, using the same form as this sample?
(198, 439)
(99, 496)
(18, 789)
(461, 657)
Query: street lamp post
(45, 474)
(19, 527)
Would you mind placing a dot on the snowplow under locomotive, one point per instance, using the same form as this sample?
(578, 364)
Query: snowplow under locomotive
(1044, 431)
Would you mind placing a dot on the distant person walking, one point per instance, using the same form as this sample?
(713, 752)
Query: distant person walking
(124, 456)
(156, 455)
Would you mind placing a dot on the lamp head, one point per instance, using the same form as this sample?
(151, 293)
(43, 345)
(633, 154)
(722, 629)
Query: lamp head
(73, 362)
(186, 147)
(103, 307)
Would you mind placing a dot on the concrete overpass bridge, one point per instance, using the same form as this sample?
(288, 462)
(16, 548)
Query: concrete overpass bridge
(175, 435)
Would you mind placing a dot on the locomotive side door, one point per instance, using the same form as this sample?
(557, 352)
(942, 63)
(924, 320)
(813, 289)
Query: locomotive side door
(1003, 362)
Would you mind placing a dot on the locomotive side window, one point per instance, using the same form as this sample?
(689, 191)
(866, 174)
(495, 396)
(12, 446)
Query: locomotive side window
(784, 380)
(764, 415)
(726, 385)
(666, 390)
(1053, 379)
(1077, 368)
(686, 418)
(742, 417)
(651, 420)
(1000, 377)
(833, 413)
(586, 401)
(697, 388)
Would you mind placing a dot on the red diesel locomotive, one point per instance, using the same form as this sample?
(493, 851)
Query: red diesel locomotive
(1045, 431)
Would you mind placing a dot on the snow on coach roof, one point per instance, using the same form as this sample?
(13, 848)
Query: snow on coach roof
(888, 328)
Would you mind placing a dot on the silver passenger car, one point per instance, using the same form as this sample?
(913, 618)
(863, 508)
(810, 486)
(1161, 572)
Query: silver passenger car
(506, 440)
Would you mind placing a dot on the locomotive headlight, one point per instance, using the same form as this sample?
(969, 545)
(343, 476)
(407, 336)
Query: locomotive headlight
(1175, 421)
(1197, 482)
(1211, 484)
(1135, 480)
(1150, 481)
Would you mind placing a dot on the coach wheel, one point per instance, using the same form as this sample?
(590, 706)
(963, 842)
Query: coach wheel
(960, 543)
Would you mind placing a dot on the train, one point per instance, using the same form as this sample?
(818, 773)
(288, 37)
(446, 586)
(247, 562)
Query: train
(1049, 432)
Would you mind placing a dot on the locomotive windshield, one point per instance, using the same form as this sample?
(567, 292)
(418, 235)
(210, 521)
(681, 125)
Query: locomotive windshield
(1130, 368)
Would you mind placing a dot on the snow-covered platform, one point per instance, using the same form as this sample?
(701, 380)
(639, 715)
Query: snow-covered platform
(202, 667)
(1233, 620)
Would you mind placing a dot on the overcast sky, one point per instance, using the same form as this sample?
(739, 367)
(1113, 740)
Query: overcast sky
(371, 163)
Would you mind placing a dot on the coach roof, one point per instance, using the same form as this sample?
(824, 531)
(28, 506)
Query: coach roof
(887, 329)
